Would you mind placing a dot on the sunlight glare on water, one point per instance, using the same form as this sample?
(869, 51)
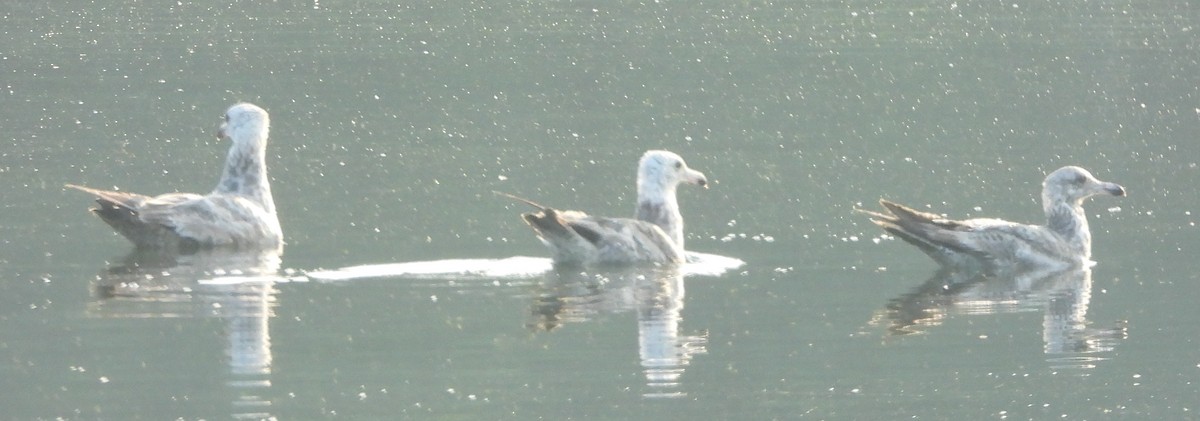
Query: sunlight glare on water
(407, 289)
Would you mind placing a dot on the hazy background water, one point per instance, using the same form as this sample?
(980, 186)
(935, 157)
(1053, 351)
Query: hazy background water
(392, 124)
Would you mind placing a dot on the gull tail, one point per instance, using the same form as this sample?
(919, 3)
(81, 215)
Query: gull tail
(111, 200)
(548, 223)
(521, 199)
(561, 231)
(927, 231)
(120, 211)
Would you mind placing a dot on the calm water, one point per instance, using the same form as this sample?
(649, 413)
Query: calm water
(392, 124)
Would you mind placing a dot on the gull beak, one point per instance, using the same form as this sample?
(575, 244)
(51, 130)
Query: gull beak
(697, 178)
(221, 131)
(1113, 189)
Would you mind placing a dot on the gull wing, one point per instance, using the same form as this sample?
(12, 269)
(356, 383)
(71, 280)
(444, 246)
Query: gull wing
(578, 238)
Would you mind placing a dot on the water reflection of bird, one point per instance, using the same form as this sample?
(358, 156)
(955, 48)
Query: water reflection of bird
(656, 295)
(237, 287)
(1063, 297)
(240, 212)
(158, 283)
(655, 235)
(1065, 240)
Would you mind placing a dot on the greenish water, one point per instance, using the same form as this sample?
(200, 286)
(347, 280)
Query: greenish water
(392, 124)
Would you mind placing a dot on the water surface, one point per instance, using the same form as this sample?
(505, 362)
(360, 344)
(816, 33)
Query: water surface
(392, 124)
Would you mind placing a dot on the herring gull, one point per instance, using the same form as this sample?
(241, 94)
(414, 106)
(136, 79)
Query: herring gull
(655, 235)
(239, 213)
(1064, 240)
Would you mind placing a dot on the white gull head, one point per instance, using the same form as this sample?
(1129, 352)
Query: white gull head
(1072, 185)
(659, 172)
(245, 122)
(1063, 193)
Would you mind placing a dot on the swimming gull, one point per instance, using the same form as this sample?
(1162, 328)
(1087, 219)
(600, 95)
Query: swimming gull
(239, 213)
(1065, 239)
(655, 235)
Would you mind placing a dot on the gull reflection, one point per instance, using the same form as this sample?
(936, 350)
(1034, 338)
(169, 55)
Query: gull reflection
(237, 287)
(1063, 296)
(656, 295)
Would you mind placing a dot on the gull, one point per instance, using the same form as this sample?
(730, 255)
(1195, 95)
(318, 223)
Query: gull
(654, 235)
(239, 213)
(1063, 241)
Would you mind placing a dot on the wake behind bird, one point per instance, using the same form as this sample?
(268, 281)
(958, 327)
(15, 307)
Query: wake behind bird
(512, 268)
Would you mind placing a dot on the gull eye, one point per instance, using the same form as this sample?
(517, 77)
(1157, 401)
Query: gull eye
(678, 164)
